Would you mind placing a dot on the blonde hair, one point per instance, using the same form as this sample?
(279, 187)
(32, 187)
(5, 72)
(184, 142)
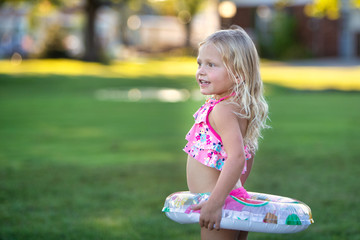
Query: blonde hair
(242, 62)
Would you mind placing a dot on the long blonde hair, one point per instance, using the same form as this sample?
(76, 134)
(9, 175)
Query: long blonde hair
(242, 62)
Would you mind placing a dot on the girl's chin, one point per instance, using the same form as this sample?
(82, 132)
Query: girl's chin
(205, 91)
(214, 94)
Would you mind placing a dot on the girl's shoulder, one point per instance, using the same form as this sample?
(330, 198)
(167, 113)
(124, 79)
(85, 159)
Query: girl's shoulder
(224, 110)
(225, 113)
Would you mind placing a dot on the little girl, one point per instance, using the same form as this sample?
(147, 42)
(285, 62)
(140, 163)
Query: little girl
(223, 140)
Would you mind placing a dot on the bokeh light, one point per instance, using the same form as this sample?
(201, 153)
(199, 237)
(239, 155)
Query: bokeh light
(134, 22)
(227, 9)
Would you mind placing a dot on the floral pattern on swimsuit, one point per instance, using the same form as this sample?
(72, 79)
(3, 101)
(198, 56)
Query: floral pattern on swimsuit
(204, 144)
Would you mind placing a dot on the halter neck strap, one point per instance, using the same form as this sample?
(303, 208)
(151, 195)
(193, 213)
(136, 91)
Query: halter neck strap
(223, 98)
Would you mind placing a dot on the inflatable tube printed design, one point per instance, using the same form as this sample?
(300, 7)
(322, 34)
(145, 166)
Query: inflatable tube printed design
(259, 213)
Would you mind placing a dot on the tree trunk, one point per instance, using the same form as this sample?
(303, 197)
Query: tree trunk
(123, 25)
(92, 49)
(188, 35)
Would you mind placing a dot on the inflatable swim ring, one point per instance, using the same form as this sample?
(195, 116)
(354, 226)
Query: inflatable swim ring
(259, 213)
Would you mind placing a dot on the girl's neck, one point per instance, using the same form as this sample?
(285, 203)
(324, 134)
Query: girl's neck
(227, 95)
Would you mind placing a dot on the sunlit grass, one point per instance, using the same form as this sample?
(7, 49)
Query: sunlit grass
(312, 78)
(298, 77)
(140, 67)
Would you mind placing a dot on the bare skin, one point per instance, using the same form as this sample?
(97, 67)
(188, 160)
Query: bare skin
(201, 178)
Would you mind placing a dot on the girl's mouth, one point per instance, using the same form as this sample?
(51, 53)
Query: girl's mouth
(203, 82)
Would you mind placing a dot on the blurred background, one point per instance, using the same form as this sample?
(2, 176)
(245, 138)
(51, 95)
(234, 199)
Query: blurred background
(100, 30)
(96, 97)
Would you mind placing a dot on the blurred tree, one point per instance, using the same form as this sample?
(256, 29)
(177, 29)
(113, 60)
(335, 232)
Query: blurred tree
(92, 46)
(185, 10)
(93, 51)
(282, 42)
(53, 46)
(322, 8)
(355, 3)
(126, 9)
(331, 9)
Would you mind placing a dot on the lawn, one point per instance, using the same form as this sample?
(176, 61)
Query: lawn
(73, 166)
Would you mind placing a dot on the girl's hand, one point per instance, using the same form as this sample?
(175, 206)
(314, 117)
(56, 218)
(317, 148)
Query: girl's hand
(210, 215)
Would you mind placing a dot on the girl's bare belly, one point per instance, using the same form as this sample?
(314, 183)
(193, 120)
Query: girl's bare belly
(200, 178)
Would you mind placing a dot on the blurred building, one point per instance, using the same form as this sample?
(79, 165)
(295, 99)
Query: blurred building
(322, 37)
(13, 27)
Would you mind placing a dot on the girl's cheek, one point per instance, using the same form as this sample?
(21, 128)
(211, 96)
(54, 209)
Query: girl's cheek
(198, 73)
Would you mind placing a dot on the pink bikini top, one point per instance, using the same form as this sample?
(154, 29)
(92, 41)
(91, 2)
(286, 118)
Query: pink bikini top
(204, 144)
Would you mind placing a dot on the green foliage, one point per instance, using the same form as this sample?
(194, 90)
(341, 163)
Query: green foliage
(173, 7)
(321, 8)
(192, 6)
(282, 42)
(53, 45)
(75, 167)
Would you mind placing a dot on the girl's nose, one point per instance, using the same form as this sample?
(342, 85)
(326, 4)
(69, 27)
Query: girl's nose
(201, 70)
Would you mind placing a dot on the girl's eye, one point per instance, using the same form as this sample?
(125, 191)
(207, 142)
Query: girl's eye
(211, 65)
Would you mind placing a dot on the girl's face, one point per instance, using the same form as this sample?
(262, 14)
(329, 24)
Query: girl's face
(212, 75)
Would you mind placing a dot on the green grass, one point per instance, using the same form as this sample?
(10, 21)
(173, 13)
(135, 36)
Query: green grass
(74, 167)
